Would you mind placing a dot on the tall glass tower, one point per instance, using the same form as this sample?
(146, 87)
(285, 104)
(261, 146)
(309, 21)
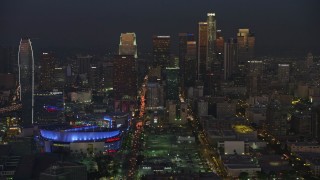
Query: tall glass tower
(26, 80)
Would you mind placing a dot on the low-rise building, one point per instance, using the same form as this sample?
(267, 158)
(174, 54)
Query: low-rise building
(235, 164)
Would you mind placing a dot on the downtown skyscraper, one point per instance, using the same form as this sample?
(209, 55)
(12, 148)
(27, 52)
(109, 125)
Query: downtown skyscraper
(161, 51)
(230, 58)
(185, 45)
(26, 80)
(124, 77)
(211, 38)
(47, 67)
(202, 49)
(128, 44)
(246, 43)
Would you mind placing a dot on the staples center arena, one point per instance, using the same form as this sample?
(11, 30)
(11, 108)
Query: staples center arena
(102, 135)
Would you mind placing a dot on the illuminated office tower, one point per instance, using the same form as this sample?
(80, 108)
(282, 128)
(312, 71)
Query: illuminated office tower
(128, 44)
(161, 51)
(183, 39)
(124, 77)
(246, 43)
(26, 80)
(47, 67)
(230, 58)
(190, 75)
(212, 36)
(202, 49)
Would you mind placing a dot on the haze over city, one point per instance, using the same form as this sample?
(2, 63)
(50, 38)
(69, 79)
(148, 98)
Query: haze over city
(283, 27)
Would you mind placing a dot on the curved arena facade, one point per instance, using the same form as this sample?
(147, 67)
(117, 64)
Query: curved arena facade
(87, 139)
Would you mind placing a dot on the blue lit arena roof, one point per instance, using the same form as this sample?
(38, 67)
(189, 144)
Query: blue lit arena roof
(90, 133)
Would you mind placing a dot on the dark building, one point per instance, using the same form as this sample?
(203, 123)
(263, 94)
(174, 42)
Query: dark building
(190, 73)
(26, 80)
(183, 39)
(124, 77)
(47, 67)
(172, 83)
(230, 58)
(83, 64)
(161, 51)
(276, 117)
(65, 170)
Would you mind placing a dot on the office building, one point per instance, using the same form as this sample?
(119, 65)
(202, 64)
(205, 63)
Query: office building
(230, 58)
(284, 73)
(219, 45)
(26, 80)
(309, 60)
(172, 83)
(246, 44)
(83, 64)
(189, 72)
(155, 95)
(47, 66)
(124, 77)
(128, 44)
(202, 49)
(161, 51)
(183, 39)
(276, 117)
(211, 38)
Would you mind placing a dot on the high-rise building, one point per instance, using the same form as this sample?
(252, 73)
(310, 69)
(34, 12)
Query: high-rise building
(124, 77)
(26, 80)
(47, 66)
(246, 43)
(154, 95)
(202, 49)
(183, 39)
(309, 59)
(172, 84)
(230, 58)
(128, 44)
(283, 73)
(83, 64)
(190, 75)
(219, 43)
(161, 51)
(211, 38)
(276, 117)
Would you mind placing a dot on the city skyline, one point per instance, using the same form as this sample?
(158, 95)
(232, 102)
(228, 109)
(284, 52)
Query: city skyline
(189, 90)
(56, 25)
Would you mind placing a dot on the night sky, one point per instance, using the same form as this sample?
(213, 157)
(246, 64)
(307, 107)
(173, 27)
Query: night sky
(280, 26)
